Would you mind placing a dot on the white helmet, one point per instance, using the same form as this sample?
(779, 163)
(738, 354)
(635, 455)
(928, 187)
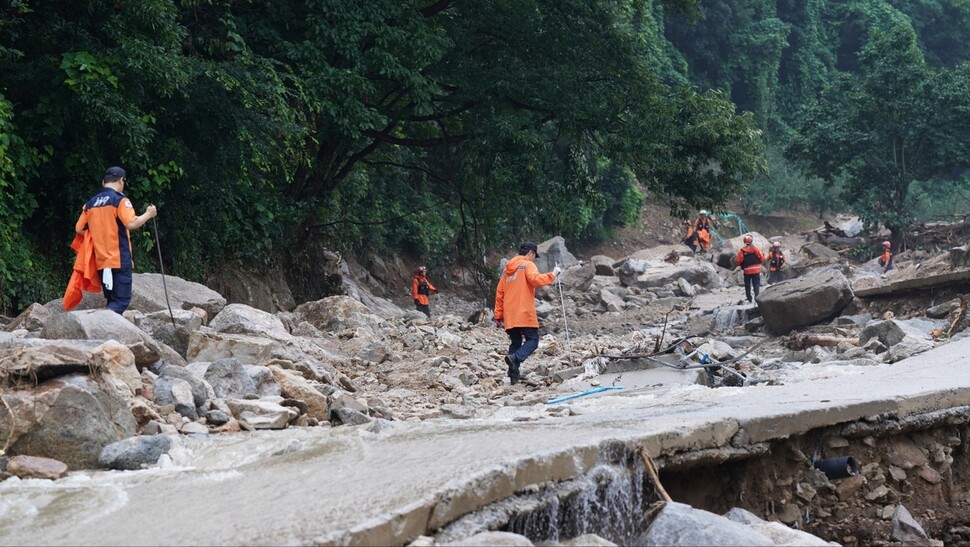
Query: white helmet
(704, 212)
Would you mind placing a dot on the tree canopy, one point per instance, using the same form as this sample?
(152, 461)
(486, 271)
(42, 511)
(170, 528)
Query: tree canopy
(431, 126)
(897, 122)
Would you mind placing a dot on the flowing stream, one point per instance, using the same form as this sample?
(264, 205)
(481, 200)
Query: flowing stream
(391, 481)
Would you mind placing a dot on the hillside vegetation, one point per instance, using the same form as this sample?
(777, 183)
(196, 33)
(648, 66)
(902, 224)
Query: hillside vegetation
(441, 129)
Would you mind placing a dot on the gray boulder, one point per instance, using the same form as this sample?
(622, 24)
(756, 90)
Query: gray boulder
(31, 319)
(653, 274)
(148, 295)
(804, 301)
(169, 390)
(890, 332)
(202, 391)
(679, 524)
(577, 277)
(229, 379)
(906, 530)
(134, 452)
(552, 252)
(71, 418)
(817, 250)
(336, 313)
(242, 319)
(603, 265)
(776, 531)
(104, 325)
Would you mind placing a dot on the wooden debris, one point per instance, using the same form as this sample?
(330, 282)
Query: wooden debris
(797, 341)
(654, 476)
(958, 314)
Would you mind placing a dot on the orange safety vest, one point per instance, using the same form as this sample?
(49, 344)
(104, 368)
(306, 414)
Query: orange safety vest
(750, 259)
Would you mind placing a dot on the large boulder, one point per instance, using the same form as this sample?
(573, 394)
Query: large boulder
(135, 452)
(335, 313)
(294, 386)
(577, 278)
(243, 319)
(148, 294)
(890, 332)
(651, 274)
(726, 252)
(229, 379)
(553, 252)
(104, 325)
(603, 265)
(803, 301)
(70, 418)
(207, 345)
(679, 524)
(31, 319)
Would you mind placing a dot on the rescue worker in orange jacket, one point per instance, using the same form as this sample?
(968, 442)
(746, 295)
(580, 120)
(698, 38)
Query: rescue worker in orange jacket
(776, 259)
(702, 229)
(691, 238)
(750, 260)
(886, 260)
(515, 305)
(108, 216)
(421, 288)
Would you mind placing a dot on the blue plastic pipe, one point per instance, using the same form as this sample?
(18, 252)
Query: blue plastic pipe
(582, 394)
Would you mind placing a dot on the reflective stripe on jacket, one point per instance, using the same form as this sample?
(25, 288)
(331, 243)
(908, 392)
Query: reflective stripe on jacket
(515, 296)
(750, 259)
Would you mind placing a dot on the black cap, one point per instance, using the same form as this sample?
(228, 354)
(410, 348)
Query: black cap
(529, 246)
(115, 171)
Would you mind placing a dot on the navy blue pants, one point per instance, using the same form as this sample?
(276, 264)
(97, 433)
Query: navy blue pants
(521, 351)
(119, 296)
(752, 281)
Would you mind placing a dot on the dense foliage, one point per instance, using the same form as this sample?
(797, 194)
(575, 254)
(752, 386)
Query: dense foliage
(265, 128)
(261, 126)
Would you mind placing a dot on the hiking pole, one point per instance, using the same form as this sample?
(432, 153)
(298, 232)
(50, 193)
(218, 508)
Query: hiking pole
(161, 268)
(569, 351)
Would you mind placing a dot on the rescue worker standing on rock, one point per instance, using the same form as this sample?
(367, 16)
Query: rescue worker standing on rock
(108, 216)
(750, 259)
(421, 288)
(886, 260)
(691, 238)
(702, 230)
(515, 305)
(776, 259)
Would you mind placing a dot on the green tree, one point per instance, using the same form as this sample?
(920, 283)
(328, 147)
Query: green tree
(896, 122)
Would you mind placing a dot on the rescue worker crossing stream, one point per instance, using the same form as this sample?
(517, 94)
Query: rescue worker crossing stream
(750, 259)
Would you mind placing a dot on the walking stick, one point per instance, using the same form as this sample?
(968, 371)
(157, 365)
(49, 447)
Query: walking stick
(161, 268)
(569, 351)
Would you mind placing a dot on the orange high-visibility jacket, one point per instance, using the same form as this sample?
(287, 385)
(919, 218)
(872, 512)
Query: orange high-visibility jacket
(416, 294)
(515, 296)
(886, 259)
(750, 259)
(85, 276)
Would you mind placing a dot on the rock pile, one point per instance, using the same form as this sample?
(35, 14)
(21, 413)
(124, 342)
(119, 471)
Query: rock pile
(91, 388)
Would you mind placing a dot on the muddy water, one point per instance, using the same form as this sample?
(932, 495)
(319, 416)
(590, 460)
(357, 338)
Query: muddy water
(351, 485)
